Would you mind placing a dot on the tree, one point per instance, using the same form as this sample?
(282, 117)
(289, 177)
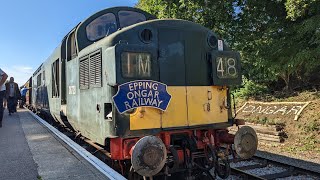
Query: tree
(279, 40)
(284, 38)
(215, 15)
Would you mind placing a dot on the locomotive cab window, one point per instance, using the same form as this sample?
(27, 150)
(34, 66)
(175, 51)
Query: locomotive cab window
(71, 47)
(136, 65)
(128, 18)
(101, 27)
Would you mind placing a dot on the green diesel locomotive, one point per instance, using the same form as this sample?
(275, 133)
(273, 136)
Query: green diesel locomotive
(154, 93)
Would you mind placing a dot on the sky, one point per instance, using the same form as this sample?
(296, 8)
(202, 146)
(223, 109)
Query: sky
(30, 30)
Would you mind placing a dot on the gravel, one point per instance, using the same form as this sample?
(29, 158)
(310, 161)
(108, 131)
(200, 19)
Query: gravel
(270, 169)
(242, 163)
(290, 161)
(231, 177)
(297, 178)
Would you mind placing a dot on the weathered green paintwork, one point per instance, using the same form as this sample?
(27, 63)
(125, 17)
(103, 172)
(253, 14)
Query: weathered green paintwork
(180, 55)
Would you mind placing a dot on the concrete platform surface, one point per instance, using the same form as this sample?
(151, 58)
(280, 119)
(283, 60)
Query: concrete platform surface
(28, 150)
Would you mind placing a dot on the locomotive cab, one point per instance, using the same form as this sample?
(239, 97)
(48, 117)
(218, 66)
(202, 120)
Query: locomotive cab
(79, 74)
(178, 54)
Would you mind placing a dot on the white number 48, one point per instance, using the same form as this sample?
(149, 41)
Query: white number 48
(226, 67)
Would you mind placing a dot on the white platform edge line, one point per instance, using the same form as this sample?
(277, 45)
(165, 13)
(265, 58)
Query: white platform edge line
(97, 163)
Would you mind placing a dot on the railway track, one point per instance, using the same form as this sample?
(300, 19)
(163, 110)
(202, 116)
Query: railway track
(254, 168)
(266, 169)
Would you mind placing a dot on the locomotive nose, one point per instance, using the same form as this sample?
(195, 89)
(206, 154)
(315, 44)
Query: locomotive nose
(148, 156)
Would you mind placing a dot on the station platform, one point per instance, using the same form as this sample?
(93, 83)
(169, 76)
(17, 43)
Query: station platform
(29, 150)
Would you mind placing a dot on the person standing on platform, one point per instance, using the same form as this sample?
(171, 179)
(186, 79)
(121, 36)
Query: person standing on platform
(23, 92)
(4, 97)
(3, 78)
(12, 94)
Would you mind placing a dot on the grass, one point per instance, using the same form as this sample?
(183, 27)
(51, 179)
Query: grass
(265, 121)
(305, 144)
(313, 125)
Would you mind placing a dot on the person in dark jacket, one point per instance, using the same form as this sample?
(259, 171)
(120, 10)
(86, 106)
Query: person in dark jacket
(23, 93)
(12, 94)
(4, 95)
(3, 77)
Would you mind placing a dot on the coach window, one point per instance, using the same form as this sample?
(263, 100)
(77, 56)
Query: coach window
(44, 77)
(101, 27)
(128, 18)
(39, 80)
(55, 79)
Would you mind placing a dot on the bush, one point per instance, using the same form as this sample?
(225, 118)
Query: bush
(250, 89)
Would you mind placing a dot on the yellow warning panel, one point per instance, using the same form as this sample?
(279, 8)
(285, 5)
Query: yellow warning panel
(206, 105)
(145, 118)
(189, 106)
(176, 113)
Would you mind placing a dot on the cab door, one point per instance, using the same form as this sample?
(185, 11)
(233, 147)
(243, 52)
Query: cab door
(63, 76)
(173, 74)
(207, 104)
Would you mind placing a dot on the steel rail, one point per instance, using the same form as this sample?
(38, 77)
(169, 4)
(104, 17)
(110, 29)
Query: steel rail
(291, 168)
(264, 162)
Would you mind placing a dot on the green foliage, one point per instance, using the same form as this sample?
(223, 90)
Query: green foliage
(279, 40)
(264, 120)
(250, 89)
(278, 47)
(216, 15)
(301, 8)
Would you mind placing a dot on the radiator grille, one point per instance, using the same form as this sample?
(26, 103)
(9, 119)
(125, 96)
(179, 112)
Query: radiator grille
(84, 73)
(95, 69)
(90, 70)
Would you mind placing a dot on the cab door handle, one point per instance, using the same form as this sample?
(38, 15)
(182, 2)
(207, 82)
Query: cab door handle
(209, 95)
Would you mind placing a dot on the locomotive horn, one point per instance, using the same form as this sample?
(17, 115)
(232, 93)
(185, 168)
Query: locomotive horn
(246, 142)
(148, 156)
